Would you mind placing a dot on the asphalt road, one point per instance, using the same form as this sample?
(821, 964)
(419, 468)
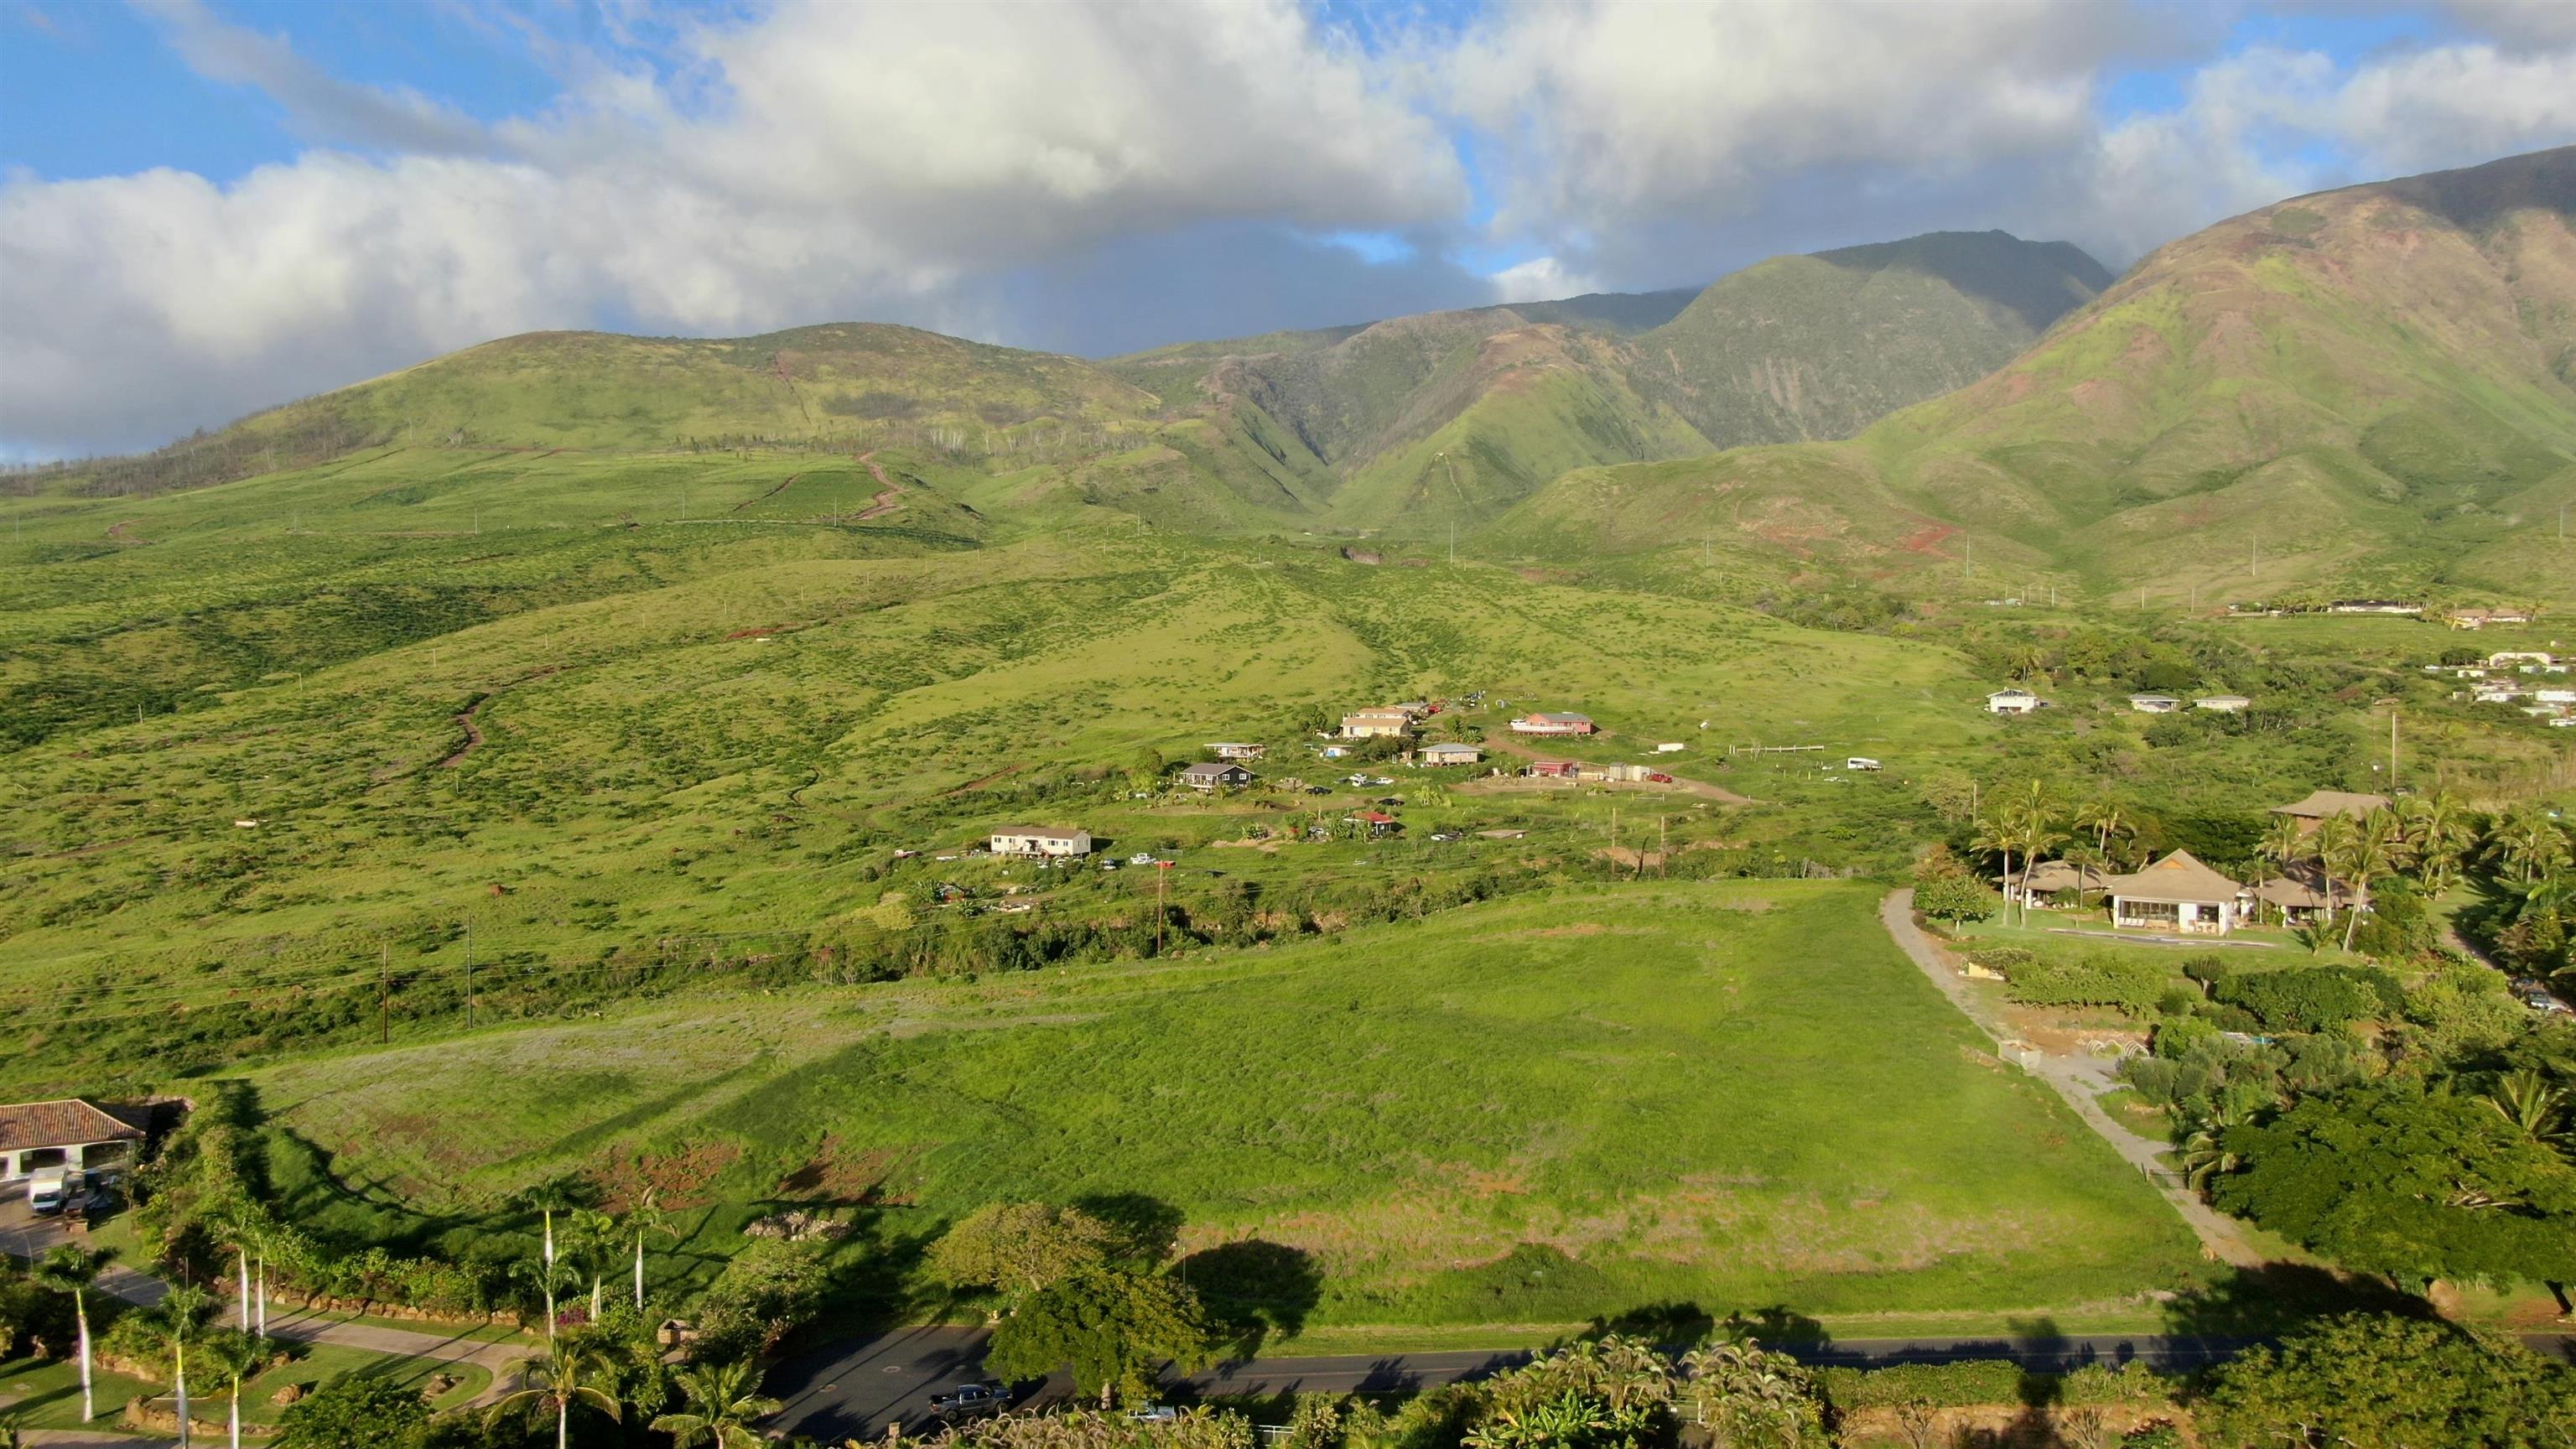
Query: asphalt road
(857, 1389)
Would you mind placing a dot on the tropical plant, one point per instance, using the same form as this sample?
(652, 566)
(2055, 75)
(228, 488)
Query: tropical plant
(2369, 854)
(548, 1275)
(2526, 842)
(178, 1320)
(1743, 1396)
(595, 1243)
(2103, 816)
(1996, 836)
(233, 1356)
(2437, 836)
(2531, 1102)
(71, 1268)
(2286, 846)
(2326, 845)
(2203, 1153)
(554, 1382)
(646, 1220)
(726, 1401)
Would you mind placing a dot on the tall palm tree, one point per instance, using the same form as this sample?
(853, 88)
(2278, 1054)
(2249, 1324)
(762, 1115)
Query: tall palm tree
(233, 1357)
(727, 1401)
(2437, 831)
(2370, 854)
(178, 1320)
(642, 1219)
(2101, 815)
(549, 1275)
(2285, 845)
(595, 1241)
(2326, 845)
(71, 1268)
(2034, 824)
(556, 1382)
(1997, 836)
(2527, 841)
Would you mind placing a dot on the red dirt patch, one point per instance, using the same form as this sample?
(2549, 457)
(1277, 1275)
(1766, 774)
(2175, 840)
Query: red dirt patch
(676, 1179)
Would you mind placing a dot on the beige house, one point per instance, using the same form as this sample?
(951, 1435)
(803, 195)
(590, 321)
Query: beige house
(2154, 703)
(69, 1133)
(2177, 893)
(2055, 877)
(1040, 840)
(2011, 701)
(2223, 703)
(2323, 805)
(1445, 754)
(1376, 723)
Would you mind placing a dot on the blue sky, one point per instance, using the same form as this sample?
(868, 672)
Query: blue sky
(214, 204)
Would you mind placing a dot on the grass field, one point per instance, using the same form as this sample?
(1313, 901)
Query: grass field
(41, 1394)
(1587, 1102)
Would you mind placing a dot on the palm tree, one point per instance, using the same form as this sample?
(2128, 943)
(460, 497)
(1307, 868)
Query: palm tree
(2034, 825)
(548, 1275)
(2204, 1152)
(2101, 815)
(642, 1219)
(1747, 1395)
(1997, 836)
(2369, 855)
(2028, 661)
(728, 1402)
(234, 1356)
(2286, 845)
(556, 1382)
(2326, 845)
(2528, 841)
(177, 1320)
(2437, 832)
(2529, 1102)
(595, 1240)
(71, 1268)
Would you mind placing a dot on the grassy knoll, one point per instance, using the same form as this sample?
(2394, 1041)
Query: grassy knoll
(1588, 1101)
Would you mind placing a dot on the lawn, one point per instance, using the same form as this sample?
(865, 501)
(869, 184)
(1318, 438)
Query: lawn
(46, 1394)
(1581, 1102)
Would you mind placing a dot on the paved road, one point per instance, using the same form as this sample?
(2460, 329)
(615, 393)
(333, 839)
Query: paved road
(857, 1389)
(2080, 1080)
(28, 1237)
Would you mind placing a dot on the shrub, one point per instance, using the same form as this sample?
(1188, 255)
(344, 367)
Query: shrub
(1965, 1384)
(768, 1289)
(354, 1412)
(2307, 1000)
(2131, 986)
(1956, 898)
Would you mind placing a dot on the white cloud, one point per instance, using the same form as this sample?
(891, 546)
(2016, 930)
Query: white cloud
(1540, 279)
(320, 106)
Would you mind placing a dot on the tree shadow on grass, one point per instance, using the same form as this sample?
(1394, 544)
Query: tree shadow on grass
(1254, 1288)
(2258, 1302)
(1147, 1227)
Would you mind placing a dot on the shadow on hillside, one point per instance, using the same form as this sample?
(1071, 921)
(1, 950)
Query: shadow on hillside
(1253, 1289)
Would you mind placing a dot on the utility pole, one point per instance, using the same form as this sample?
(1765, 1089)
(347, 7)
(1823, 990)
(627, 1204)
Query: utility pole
(2392, 749)
(385, 995)
(469, 978)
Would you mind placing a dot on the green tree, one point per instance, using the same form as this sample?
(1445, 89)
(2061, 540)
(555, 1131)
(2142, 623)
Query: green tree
(2526, 843)
(767, 1289)
(70, 1268)
(1112, 1327)
(2437, 835)
(2370, 853)
(1020, 1247)
(2369, 1381)
(354, 1411)
(570, 1374)
(177, 1321)
(725, 1401)
(1744, 1396)
(233, 1355)
(2392, 1178)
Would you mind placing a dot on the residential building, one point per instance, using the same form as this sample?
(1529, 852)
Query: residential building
(2224, 703)
(1375, 723)
(2322, 805)
(1039, 840)
(1447, 754)
(1217, 775)
(2479, 618)
(1553, 724)
(1413, 708)
(2303, 894)
(2055, 877)
(2011, 701)
(68, 1133)
(1378, 824)
(1612, 774)
(2375, 606)
(1229, 750)
(2177, 893)
(1552, 769)
(2154, 703)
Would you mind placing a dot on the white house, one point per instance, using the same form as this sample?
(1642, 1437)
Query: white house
(2154, 703)
(1233, 750)
(2011, 701)
(2224, 703)
(69, 1133)
(1039, 840)
(2177, 893)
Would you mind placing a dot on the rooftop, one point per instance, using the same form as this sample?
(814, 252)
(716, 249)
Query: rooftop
(2178, 877)
(2323, 803)
(64, 1123)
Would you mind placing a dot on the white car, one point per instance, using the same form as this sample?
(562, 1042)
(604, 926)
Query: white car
(1141, 858)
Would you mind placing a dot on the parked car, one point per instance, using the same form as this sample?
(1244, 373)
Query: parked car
(971, 1401)
(1154, 1414)
(1141, 857)
(1317, 790)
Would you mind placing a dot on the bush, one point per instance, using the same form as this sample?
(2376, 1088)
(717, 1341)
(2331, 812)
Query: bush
(1961, 1385)
(2307, 1000)
(1956, 898)
(2133, 987)
(354, 1412)
(768, 1289)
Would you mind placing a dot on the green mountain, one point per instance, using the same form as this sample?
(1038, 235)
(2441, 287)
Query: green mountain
(2364, 388)
(1821, 346)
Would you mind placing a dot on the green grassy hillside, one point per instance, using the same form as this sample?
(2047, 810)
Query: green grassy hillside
(1821, 346)
(1585, 1102)
(2366, 389)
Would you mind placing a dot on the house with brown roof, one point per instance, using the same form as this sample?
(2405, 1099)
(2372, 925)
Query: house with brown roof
(1378, 822)
(2303, 894)
(68, 1133)
(2324, 805)
(2054, 877)
(2177, 893)
(1553, 723)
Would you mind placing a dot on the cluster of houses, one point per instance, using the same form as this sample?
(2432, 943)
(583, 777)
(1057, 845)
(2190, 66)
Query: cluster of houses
(2017, 700)
(2178, 893)
(2531, 680)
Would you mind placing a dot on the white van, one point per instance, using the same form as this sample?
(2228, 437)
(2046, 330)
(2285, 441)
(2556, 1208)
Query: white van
(1860, 762)
(48, 1189)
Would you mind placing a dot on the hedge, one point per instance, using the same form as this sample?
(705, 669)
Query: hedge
(1974, 1383)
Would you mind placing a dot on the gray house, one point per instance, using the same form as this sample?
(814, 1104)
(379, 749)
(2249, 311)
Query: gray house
(1217, 775)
